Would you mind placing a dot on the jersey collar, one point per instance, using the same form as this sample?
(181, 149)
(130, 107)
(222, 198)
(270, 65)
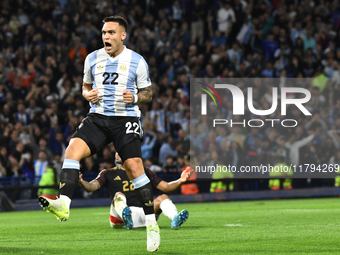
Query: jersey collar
(116, 57)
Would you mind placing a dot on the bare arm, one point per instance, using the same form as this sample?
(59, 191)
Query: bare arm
(90, 94)
(169, 187)
(144, 96)
(88, 186)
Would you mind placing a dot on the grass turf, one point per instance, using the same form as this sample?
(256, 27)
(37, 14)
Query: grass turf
(302, 226)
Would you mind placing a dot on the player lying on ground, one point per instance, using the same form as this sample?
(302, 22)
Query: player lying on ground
(125, 207)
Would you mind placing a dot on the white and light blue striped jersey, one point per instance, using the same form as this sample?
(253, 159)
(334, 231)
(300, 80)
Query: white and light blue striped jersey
(111, 76)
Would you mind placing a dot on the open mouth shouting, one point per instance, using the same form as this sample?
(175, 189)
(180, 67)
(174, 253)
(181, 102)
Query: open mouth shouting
(108, 46)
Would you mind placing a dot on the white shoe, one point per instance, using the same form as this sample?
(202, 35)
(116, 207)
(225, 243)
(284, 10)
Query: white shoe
(153, 238)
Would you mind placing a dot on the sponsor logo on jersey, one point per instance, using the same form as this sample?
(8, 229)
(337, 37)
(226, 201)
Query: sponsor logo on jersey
(117, 179)
(100, 67)
(149, 204)
(61, 185)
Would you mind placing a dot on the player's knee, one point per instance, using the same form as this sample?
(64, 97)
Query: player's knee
(157, 203)
(161, 198)
(134, 166)
(118, 195)
(77, 149)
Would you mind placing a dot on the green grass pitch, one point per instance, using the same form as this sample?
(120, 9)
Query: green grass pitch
(302, 226)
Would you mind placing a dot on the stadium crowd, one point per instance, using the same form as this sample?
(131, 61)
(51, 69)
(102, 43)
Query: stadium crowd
(43, 45)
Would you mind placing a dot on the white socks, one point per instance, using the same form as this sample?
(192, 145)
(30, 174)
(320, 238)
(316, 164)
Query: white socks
(120, 204)
(67, 201)
(168, 208)
(150, 219)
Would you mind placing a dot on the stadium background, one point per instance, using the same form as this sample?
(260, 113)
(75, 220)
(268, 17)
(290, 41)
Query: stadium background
(43, 45)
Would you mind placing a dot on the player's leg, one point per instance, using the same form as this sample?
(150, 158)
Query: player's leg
(138, 217)
(127, 142)
(69, 177)
(123, 211)
(115, 220)
(164, 204)
(85, 142)
(131, 156)
(144, 193)
(120, 213)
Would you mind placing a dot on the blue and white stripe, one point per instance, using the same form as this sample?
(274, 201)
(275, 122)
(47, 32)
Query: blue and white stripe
(158, 117)
(245, 33)
(133, 74)
(108, 101)
(40, 167)
(174, 117)
(140, 181)
(131, 81)
(71, 164)
(295, 34)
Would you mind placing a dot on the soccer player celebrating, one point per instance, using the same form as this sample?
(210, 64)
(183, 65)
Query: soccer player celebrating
(125, 207)
(115, 80)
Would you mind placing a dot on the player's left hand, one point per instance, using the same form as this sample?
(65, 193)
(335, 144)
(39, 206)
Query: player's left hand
(186, 174)
(127, 96)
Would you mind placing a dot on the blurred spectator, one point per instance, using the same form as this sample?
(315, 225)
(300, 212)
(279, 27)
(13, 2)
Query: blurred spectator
(270, 45)
(170, 165)
(225, 18)
(166, 150)
(42, 61)
(182, 143)
(4, 162)
(107, 160)
(156, 115)
(147, 147)
(40, 165)
(153, 167)
(49, 178)
(89, 165)
(294, 146)
(21, 115)
(218, 38)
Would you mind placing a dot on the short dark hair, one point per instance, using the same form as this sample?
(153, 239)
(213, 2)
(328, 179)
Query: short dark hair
(119, 19)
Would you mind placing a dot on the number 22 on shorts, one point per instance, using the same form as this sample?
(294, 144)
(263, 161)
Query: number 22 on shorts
(132, 128)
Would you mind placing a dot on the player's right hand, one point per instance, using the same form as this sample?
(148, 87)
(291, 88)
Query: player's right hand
(186, 174)
(92, 96)
(80, 178)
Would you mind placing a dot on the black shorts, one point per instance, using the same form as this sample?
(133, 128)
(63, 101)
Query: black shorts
(99, 130)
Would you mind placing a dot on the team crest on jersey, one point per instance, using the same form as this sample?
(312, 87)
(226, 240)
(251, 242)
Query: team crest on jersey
(122, 67)
(100, 67)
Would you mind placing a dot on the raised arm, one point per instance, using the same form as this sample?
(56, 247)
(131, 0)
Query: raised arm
(88, 186)
(169, 187)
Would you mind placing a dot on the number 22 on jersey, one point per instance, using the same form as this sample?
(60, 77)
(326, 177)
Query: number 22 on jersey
(127, 186)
